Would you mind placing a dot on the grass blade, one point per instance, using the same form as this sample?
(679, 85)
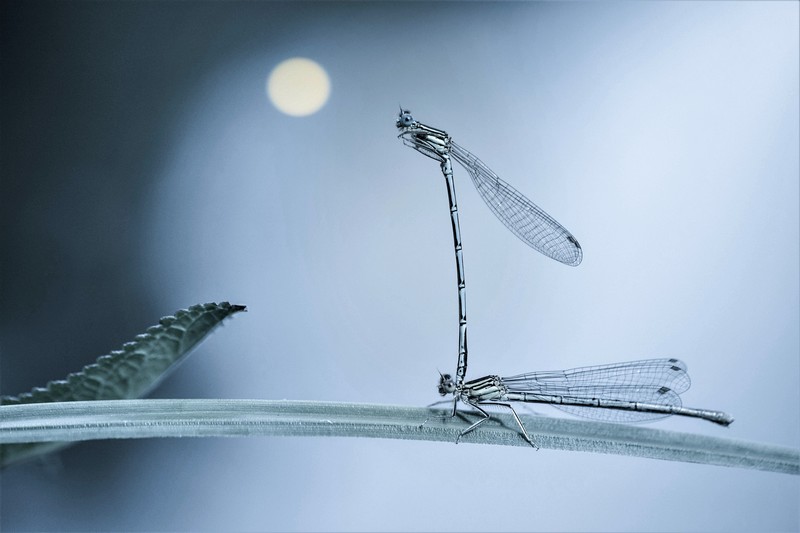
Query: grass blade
(227, 418)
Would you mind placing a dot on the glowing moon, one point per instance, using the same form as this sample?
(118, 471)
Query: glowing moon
(298, 87)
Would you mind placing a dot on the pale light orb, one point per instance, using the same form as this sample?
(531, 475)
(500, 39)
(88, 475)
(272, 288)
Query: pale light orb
(298, 87)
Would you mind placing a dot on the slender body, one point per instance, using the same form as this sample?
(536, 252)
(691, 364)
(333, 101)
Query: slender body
(526, 220)
(636, 391)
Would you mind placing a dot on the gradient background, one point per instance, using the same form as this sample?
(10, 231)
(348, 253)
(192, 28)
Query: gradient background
(144, 170)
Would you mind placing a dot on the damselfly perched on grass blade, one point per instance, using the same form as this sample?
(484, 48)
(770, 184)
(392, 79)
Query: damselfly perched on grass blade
(637, 391)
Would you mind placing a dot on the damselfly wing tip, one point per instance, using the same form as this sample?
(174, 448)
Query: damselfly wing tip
(577, 252)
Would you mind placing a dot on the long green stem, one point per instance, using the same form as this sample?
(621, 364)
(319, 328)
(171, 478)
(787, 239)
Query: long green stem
(44, 424)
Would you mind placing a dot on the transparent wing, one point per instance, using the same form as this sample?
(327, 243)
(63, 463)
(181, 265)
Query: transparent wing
(604, 381)
(524, 218)
(658, 381)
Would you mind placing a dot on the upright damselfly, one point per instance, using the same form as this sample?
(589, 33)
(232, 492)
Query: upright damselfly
(525, 219)
(635, 391)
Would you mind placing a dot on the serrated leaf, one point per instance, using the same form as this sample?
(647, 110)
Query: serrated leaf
(128, 373)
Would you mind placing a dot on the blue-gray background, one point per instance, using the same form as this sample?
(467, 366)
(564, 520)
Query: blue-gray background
(144, 170)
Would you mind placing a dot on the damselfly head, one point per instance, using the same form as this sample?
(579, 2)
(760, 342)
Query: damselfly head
(405, 120)
(446, 384)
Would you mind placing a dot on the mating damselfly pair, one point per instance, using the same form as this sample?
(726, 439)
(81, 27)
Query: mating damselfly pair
(626, 392)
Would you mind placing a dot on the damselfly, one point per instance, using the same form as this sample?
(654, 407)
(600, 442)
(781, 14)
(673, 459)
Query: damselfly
(624, 392)
(526, 220)
(636, 391)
